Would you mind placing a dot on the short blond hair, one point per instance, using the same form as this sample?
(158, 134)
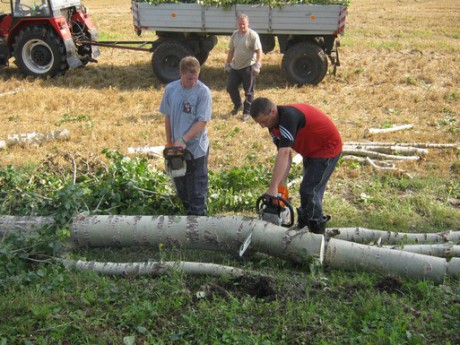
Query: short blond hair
(242, 16)
(189, 64)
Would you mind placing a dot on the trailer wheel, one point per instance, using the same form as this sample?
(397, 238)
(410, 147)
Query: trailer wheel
(202, 56)
(166, 59)
(39, 52)
(268, 42)
(305, 63)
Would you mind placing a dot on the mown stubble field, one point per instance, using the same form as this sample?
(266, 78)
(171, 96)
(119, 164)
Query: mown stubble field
(399, 66)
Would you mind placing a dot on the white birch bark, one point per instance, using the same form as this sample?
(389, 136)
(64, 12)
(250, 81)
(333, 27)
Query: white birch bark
(34, 138)
(354, 256)
(381, 165)
(377, 155)
(23, 225)
(445, 250)
(388, 130)
(228, 233)
(406, 150)
(207, 233)
(421, 145)
(155, 268)
(363, 235)
(7, 93)
(154, 151)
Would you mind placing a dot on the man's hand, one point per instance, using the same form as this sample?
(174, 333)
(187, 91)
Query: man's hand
(180, 143)
(228, 67)
(272, 192)
(256, 69)
(283, 192)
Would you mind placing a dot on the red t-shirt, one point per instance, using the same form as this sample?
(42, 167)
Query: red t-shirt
(307, 130)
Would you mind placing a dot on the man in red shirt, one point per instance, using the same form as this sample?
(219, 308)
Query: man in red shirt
(312, 134)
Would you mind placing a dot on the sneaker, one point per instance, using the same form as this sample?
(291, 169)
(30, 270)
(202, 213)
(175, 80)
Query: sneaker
(246, 116)
(236, 109)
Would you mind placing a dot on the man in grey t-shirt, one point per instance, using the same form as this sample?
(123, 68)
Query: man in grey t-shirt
(244, 61)
(187, 105)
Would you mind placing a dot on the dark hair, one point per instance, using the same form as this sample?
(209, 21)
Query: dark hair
(261, 105)
(189, 64)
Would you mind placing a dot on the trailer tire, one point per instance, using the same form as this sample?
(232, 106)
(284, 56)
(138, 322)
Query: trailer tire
(166, 59)
(305, 63)
(39, 52)
(268, 42)
(202, 56)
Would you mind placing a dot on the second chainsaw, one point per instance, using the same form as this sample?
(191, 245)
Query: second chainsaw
(176, 159)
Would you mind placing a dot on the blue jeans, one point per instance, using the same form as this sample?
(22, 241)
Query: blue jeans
(192, 188)
(316, 174)
(236, 77)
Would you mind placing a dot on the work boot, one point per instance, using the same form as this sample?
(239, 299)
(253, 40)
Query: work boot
(318, 226)
(302, 219)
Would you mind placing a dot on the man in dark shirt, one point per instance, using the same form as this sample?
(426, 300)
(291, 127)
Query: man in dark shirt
(311, 133)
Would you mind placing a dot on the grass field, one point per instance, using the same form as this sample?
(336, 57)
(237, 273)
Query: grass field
(399, 66)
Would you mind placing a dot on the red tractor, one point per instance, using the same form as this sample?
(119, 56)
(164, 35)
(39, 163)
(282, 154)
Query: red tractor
(44, 38)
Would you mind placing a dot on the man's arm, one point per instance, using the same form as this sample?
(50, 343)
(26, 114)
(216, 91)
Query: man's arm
(280, 170)
(196, 128)
(230, 54)
(168, 130)
(259, 55)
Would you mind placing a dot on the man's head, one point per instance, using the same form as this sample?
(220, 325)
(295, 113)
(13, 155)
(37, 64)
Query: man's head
(189, 68)
(242, 23)
(264, 112)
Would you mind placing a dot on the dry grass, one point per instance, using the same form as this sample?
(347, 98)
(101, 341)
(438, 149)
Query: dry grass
(399, 65)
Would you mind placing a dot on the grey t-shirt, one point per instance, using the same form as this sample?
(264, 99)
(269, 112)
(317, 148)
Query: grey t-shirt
(245, 47)
(185, 107)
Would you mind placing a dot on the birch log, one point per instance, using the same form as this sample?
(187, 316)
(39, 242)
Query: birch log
(406, 150)
(207, 233)
(228, 233)
(354, 256)
(421, 145)
(444, 250)
(34, 138)
(363, 235)
(377, 155)
(387, 130)
(155, 268)
(23, 225)
(7, 93)
(381, 165)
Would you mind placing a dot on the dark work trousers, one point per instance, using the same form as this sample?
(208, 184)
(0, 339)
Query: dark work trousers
(236, 77)
(316, 173)
(192, 188)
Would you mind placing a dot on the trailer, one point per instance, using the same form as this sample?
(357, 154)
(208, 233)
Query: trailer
(306, 34)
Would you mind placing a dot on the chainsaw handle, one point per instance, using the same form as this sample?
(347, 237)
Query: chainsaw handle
(267, 199)
(172, 150)
(177, 150)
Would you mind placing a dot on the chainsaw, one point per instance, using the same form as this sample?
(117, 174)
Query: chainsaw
(176, 160)
(275, 209)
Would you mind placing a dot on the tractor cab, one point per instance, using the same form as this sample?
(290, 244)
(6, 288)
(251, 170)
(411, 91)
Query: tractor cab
(31, 8)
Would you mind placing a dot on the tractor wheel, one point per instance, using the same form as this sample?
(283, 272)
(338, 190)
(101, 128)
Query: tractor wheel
(39, 52)
(166, 59)
(305, 63)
